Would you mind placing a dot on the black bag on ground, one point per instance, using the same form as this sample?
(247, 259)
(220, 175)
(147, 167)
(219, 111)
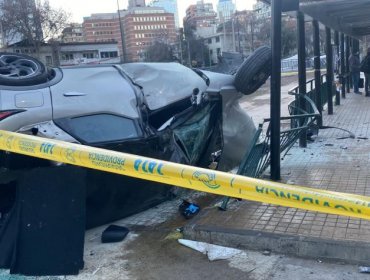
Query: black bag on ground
(44, 232)
(361, 83)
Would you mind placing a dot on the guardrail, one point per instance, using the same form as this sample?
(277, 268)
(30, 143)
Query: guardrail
(190, 177)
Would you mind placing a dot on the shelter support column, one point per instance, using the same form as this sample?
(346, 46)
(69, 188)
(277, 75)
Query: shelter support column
(275, 89)
(348, 79)
(342, 66)
(301, 71)
(356, 46)
(329, 70)
(336, 68)
(316, 50)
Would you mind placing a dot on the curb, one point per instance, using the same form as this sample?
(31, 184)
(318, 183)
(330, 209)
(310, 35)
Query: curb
(352, 252)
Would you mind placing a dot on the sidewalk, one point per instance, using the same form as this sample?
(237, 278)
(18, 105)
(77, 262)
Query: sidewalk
(329, 163)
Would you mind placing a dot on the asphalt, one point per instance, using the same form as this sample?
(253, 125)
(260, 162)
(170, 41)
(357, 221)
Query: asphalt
(332, 162)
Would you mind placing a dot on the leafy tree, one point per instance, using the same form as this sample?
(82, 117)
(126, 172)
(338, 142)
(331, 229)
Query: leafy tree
(34, 22)
(159, 52)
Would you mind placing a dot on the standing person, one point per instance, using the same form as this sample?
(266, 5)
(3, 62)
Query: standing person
(365, 67)
(354, 66)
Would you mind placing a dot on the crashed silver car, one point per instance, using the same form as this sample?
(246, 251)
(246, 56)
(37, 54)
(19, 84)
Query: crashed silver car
(159, 110)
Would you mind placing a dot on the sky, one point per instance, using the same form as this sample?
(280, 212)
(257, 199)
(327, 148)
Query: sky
(80, 8)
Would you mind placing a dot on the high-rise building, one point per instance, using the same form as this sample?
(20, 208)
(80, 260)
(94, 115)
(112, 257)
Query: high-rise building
(136, 3)
(225, 10)
(143, 26)
(200, 15)
(170, 6)
(262, 10)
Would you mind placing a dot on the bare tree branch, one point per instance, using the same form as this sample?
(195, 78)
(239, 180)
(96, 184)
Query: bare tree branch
(33, 21)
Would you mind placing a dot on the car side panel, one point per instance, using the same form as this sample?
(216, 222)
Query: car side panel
(91, 90)
(36, 104)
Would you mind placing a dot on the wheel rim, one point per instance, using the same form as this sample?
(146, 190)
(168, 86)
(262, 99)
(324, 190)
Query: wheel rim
(17, 67)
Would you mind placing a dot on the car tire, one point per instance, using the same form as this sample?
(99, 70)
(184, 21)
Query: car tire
(21, 70)
(254, 71)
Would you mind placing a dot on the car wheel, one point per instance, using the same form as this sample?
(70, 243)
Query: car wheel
(254, 71)
(21, 70)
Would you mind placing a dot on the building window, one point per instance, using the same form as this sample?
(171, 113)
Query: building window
(108, 54)
(217, 39)
(49, 60)
(218, 51)
(67, 56)
(88, 55)
(210, 41)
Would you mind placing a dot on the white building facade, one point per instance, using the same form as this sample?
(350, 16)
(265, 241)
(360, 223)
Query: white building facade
(220, 42)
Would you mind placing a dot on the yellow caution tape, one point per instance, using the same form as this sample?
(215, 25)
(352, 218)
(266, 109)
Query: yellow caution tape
(195, 178)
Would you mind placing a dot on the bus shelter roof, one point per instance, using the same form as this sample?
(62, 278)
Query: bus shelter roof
(351, 17)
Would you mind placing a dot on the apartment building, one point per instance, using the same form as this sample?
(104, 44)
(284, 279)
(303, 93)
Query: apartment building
(103, 27)
(200, 15)
(73, 33)
(145, 25)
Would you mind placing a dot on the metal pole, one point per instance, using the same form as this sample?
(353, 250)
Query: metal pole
(316, 50)
(239, 44)
(233, 32)
(336, 68)
(347, 65)
(252, 33)
(189, 58)
(329, 70)
(123, 57)
(342, 66)
(275, 88)
(356, 46)
(302, 71)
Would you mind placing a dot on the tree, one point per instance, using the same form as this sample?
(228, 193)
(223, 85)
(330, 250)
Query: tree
(197, 52)
(33, 21)
(159, 52)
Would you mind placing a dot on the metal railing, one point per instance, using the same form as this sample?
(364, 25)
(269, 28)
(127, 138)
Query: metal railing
(311, 93)
(258, 158)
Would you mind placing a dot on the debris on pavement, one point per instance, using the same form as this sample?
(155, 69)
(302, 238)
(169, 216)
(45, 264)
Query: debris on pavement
(364, 269)
(114, 233)
(188, 210)
(174, 235)
(266, 252)
(213, 252)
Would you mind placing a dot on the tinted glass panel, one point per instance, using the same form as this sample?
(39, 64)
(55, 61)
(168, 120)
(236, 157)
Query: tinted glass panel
(100, 128)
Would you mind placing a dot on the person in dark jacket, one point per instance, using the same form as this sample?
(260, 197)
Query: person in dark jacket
(354, 65)
(365, 67)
